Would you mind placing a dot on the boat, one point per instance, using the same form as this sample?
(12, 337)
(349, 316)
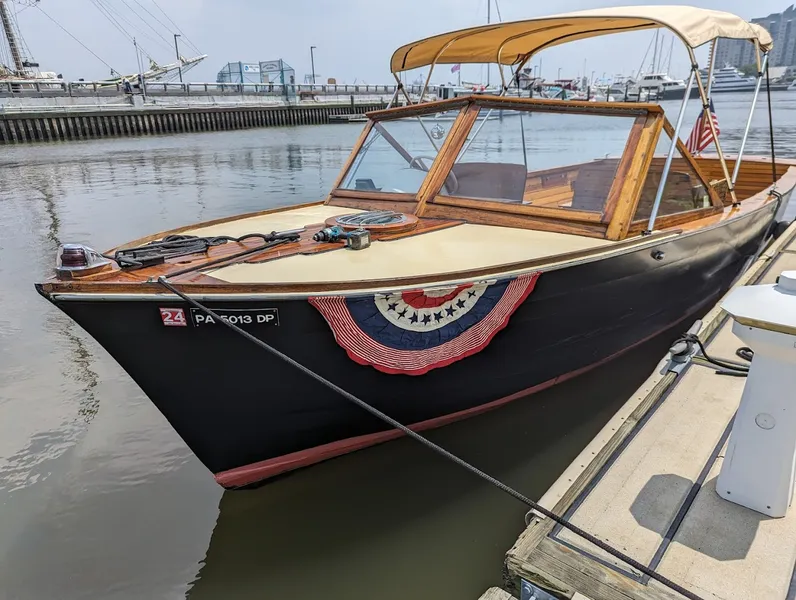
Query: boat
(660, 86)
(731, 79)
(450, 270)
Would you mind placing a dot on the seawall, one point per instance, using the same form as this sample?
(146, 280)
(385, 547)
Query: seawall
(25, 126)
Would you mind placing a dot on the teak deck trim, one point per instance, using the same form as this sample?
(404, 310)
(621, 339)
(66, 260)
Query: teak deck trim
(552, 565)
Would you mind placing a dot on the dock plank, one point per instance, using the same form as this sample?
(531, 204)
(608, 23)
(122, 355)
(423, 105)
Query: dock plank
(639, 496)
(727, 551)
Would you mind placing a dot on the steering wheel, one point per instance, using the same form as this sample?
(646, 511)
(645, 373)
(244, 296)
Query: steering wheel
(451, 183)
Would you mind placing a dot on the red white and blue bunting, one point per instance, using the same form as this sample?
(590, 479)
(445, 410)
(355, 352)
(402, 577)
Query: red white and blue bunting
(413, 332)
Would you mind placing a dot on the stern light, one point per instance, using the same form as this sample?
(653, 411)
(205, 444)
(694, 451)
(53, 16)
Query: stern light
(74, 260)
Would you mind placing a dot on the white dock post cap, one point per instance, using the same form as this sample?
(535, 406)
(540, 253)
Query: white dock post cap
(758, 469)
(771, 307)
(787, 282)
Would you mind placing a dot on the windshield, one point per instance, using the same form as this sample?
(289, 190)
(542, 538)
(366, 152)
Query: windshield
(549, 159)
(398, 153)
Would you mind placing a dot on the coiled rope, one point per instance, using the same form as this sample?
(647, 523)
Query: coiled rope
(174, 246)
(652, 574)
(724, 366)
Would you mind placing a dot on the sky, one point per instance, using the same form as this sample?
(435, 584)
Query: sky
(354, 39)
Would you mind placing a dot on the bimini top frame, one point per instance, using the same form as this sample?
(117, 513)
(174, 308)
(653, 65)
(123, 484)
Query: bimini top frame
(514, 43)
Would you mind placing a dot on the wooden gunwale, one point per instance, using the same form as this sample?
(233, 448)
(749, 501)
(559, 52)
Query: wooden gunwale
(147, 284)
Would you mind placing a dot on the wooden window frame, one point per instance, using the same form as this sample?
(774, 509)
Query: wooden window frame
(665, 221)
(613, 223)
(603, 218)
(386, 116)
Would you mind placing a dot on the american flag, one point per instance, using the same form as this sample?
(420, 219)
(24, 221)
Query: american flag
(701, 137)
(455, 68)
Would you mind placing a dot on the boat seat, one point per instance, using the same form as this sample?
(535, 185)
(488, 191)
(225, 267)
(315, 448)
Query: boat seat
(502, 182)
(590, 188)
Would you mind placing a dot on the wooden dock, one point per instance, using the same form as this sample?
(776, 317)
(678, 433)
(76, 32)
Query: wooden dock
(646, 485)
(69, 124)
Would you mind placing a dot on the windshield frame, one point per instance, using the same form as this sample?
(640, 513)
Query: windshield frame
(376, 118)
(649, 120)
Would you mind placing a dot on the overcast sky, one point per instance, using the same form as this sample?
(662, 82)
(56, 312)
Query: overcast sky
(354, 38)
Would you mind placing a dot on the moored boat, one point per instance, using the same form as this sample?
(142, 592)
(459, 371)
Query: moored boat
(451, 269)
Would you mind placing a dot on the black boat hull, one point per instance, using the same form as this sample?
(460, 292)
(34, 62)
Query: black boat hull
(247, 416)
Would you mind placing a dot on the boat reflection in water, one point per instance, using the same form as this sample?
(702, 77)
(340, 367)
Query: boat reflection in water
(381, 509)
(447, 273)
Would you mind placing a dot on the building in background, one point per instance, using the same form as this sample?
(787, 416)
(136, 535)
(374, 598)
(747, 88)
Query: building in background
(740, 53)
(270, 71)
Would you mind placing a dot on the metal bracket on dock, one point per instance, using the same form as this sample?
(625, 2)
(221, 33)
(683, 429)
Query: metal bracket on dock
(683, 350)
(529, 591)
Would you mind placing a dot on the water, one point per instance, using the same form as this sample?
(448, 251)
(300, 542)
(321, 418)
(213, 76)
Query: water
(99, 498)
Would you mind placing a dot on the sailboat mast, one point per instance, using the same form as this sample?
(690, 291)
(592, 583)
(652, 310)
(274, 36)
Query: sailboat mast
(488, 20)
(12, 40)
(671, 49)
(655, 52)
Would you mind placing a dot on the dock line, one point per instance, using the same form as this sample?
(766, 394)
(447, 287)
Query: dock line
(652, 574)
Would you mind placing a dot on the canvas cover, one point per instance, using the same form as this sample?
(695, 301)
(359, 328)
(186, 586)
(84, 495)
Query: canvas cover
(509, 43)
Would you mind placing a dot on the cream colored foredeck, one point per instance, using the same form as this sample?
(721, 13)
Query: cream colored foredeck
(458, 248)
(278, 221)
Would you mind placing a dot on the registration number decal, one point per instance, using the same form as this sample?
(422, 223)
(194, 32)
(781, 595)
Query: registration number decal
(237, 316)
(173, 317)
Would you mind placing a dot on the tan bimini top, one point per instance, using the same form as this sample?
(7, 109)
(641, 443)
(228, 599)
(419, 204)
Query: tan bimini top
(510, 43)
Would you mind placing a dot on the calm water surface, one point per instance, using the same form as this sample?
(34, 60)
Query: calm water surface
(99, 498)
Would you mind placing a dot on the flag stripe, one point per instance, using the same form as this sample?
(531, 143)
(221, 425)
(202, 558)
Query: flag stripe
(701, 136)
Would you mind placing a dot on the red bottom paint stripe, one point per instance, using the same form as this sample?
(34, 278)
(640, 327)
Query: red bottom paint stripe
(248, 474)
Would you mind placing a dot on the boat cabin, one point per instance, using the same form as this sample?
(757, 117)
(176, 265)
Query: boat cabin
(584, 168)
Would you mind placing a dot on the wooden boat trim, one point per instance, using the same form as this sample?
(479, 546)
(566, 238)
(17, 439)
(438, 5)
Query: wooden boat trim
(480, 216)
(373, 203)
(625, 203)
(151, 288)
(564, 214)
(675, 219)
(635, 145)
(368, 195)
(411, 110)
(571, 106)
(448, 154)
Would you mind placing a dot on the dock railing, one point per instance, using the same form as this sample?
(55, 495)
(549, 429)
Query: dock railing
(43, 89)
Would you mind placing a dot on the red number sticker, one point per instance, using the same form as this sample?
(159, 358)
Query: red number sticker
(173, 317)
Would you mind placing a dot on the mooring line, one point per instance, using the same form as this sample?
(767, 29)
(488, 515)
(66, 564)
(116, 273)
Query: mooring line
(652, 574)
